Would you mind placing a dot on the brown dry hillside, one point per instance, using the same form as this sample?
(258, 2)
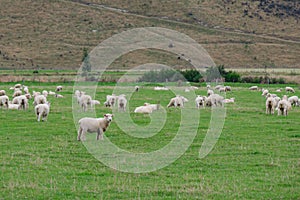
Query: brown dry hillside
(53, 34)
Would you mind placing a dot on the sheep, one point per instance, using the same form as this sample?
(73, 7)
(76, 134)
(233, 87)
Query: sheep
(186, 90)
(146, 108)
(208, 87)
(45, 93)
(26, 90)
(270, 105)
(231, 100)
(218, 87)
(59, 88)
(222, 89)
(200, 101)
(19, 86)
(4, 101)
(39, 99)
(177, 101)
(277, 99)
(95, 102)
(289, 89)
(13, 106)
(160, 88)
(91, 125)
(22, 101)
(84, 101)
(2, 92)
(253, 87)
(209, 92)
(214, 100)
(122, 102)
(42, 111)
(17, 93)
(294, 100)
(34, 94)
(136, 88)
(264, 92)
(283, 107)
(110, 100)
(279, 90)
(51, 93)
(59, 96)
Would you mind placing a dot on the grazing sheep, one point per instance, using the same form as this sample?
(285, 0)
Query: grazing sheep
(39, 99)
(59, 88)
(34, 94)
(59, 96)
(122, 102)
(218, 87)
(231, 100)
(22, 101)
(270, 105)
(253, 87)
(91, 125)
(200, 102)
(84, 101)
(4, 101)
(289, 89)
(177, 101)
(42, 111)
(214, 100)
(2, 92)
(95, 102)
(222, 89)
(136, 88)
(17, 93)
(208, 87)
(45, 93)
(209, 92)
(283, 107)
(13, 106)
(19, 86)
(153, 106)
(110, 100)
(294, 100)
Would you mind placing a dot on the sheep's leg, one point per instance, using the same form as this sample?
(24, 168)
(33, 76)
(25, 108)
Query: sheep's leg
(99, 134)
(79, 133)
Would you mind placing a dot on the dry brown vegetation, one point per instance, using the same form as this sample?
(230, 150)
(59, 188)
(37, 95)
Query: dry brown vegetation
(52, 34)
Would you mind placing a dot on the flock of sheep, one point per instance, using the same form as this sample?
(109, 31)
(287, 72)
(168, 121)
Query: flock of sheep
(21, 97)
(100, 125)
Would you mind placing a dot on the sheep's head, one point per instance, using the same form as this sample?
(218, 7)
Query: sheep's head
(108, 117)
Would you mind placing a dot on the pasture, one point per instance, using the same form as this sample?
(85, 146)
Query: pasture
(256, 157)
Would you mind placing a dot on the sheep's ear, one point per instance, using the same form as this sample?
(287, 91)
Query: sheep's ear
(105, 115)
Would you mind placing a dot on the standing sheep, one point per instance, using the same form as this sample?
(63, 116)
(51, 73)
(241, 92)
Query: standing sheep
(122, 102)
(84, 101)
(2, 92)
(214, 100)
(59, 88)
(110, 100)
(177, 101)
(200, 102)
(270, 105)
(91, 125)
(39, 99)
(289, 89)
(294, 100)
(42, 111)
(4, 101)
(22, 101)
(283, 107)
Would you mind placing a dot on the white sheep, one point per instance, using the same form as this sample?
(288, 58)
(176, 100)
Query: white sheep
(110, 100)
(253, 87)
(26, 90)
(17, 92)
(84, 101)
(59, 96)
(13, 106)
(214, 100)
(222, 89)
(4, 101)
(231, 100)
(95, 102)
(153, 106)
(294, 100)
(289, 89)
(18, 86)
(200, 101)
(22, 101)
(264, 92)
(45, 93)
(34, 94)
(136, 88)
(227, 88)
(51, 93)
(39, 99)
(59, 88)
(122, 102)
(218, 87)
(209, 92)
(270, 105)
(2, 92)
(283, 107)
(177, 101)
(91, 125)
(279, 90)
(146, 108)
(160, 88)
(42, 111)
(208, 87)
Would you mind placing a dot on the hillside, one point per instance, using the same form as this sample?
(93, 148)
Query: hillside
(53, 34)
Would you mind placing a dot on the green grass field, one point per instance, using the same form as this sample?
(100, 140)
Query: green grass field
(256, 157)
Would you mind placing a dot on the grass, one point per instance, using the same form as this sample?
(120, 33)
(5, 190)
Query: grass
(256, 156)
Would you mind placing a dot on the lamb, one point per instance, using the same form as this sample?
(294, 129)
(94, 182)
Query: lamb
(279, 90)
(227, 88)
(231, 100)
(210, 92)
(84, 101)
(91, 125)
(122, 102)
(42, 111)
(270, 105)
(4, 101)
(289, 89)
(208, 87)
(283, 107)
(26, 90)
(13, 106)
(200, 102)
(153, 106)
(160, 88)
(59, 96)
(218, 87)
(177, 101)
(59, 88)
(17, 93)
(34, 94)
(95, 102)
(214, 100)
(45, 93)
(19, 86)
(294, 100)
(277, 99)
(264, 92)
(2, 92)
(51, 93)
(253, 87)
(39, 99)
(136, 88)
(222, 89)
(146, 108)
(110, 100)
(22, 101)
